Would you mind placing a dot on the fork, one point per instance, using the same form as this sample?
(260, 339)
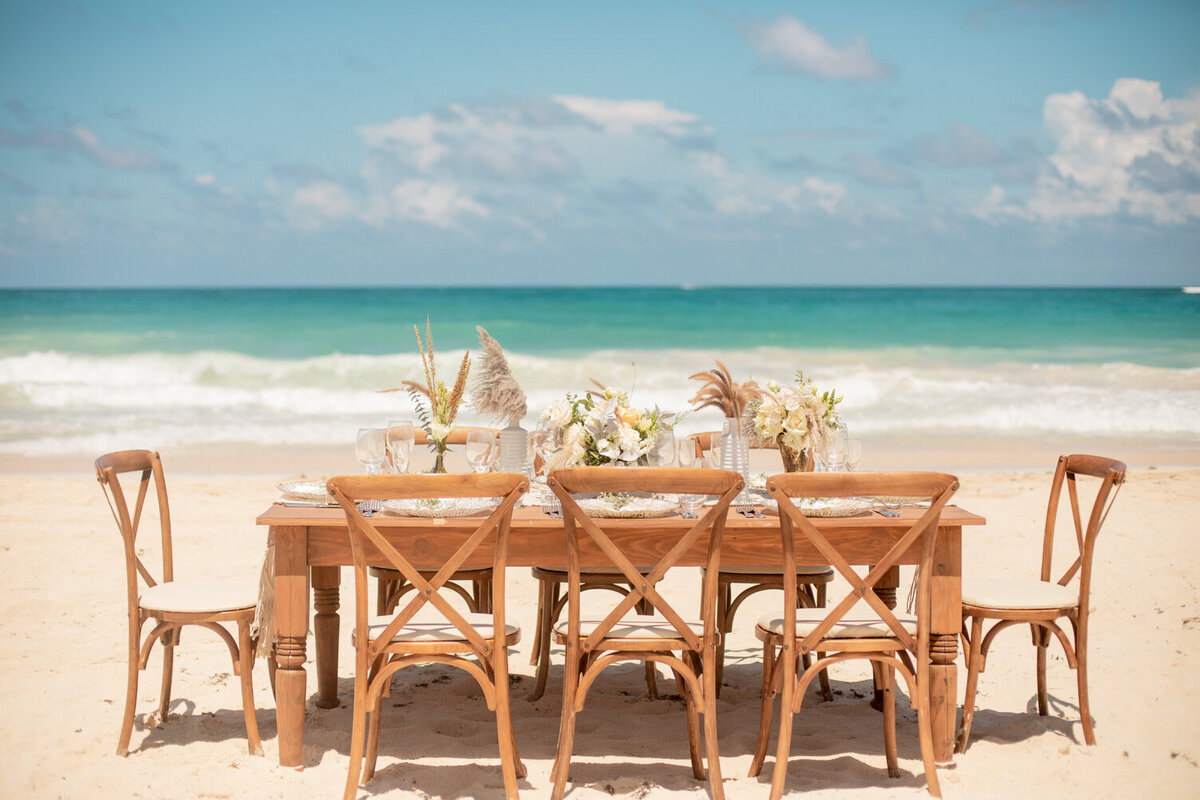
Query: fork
(553, 509)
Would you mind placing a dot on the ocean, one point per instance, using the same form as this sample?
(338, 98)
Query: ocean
(88, 371)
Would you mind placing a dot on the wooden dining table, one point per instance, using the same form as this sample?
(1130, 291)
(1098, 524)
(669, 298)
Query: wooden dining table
(312, 544)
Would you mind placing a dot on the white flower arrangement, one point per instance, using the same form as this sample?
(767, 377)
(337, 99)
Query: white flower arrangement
(795, 416)
(593, 431)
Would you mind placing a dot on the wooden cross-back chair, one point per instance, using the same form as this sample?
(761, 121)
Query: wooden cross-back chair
(858, 626)
(687, 646)
(170, 602)
(1041, 603)
(390, 585)
(429, 628)
(812, 581)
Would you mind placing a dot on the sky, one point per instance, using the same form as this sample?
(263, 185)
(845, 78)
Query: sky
(1003, 142)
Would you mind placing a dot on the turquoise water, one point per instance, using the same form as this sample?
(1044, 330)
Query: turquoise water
(89, 370)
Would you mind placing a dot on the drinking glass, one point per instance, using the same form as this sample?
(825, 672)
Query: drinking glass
(663, 452)
(689, 504)
(835, 459)
(479, 450)
(400, 436)
(853, 454)
(370, 449)
(714, 451)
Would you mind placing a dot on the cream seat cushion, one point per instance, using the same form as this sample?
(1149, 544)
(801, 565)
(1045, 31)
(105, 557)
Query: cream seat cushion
(1018, 593)
(428, 625)
(860, 622)
(633, 626)
(200, 595)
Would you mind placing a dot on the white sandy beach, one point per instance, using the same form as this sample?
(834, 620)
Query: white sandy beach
(64, 614)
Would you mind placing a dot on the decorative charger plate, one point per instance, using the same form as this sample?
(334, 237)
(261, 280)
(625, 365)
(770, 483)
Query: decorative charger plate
(310, 490)
(628, 507)
(834, 506)
(440, 506)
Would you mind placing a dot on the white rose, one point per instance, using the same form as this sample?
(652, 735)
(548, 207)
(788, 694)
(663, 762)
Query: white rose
(439, 431)
(558, 414)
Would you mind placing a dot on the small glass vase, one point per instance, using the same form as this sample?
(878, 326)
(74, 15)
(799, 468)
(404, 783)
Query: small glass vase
(439, 465)
(795, 460)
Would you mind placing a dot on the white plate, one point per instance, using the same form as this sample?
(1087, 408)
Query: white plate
(310, 490)
(627, 507)
(440, 506)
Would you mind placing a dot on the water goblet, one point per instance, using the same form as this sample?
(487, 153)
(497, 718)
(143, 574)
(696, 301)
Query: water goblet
(853, 454)
(400, 437)
(714, 451)
(663, 452)
(689, 504)
(479, 450)
(835, 457)
(370, 449)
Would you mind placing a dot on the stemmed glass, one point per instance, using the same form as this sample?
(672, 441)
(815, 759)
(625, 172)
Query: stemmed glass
(689, 504)
(479, 450)
(370, 449)
(663, 452)
(714, 451)
(853, 454)
(400, 436)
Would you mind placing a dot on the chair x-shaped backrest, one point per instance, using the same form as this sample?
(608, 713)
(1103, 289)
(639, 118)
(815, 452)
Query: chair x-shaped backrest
(349, 490)
(1111, 474)
(724, 485)
(109, 468)
(935, 487)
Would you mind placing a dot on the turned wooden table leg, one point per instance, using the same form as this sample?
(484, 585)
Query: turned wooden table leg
(326, 631)
(291, 628)
(945, 627)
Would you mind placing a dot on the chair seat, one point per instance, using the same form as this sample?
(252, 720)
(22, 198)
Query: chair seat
(860, 622)
(200, 596)
(801, 569)
(632, 626)
(1017, 593)
(430, 626)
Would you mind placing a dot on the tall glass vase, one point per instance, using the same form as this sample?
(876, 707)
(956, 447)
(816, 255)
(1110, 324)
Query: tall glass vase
(735, 448)
(514, 450)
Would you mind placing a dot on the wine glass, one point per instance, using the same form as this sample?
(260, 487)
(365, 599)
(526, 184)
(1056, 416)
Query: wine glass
(689, 504)
(835, 458)
(370, 449)
(479, 450)
(400, 436)
(663, 452)
(714, 451)
(853, 454)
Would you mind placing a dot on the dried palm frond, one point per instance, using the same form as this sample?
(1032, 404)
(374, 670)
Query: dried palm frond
(718, 390)
(496, 392)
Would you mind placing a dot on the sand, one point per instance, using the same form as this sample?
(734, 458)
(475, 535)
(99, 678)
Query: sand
(64, 616)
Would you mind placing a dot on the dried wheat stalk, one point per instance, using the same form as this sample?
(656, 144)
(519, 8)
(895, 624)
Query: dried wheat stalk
(718, 390)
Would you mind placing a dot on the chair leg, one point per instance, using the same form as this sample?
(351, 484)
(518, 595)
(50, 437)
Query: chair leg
(357, 733)
(886, 680)
(723, 625)
(712, 750)
(783, 747)
(131, 686)
(245, 668)
(767, 703)
(566, 728)
(168, 667)
(1085, 711)
(974, 667)
(545, 624)
(536, 648)
(510, 761)
(693, 727)
(1041, 638)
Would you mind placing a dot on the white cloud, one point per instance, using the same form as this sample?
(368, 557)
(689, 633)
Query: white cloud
(996, 207)
(129, 158)
(791, 43)
(205, 179)
(628, 116)
(438, 204)
(829, 194)
(1132, 152)
(325, 199)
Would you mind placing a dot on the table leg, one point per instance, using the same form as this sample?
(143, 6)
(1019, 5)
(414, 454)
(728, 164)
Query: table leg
(326, 631)
(944, 630)
(291, 629)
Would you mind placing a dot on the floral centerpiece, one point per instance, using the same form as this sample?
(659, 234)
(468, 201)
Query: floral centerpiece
(437, 405)
(604, 428)
(795, 418)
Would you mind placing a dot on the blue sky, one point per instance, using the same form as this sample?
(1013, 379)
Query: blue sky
(1025, 142)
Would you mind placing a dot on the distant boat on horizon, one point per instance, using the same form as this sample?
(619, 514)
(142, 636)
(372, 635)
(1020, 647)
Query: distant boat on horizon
(1191, 289)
